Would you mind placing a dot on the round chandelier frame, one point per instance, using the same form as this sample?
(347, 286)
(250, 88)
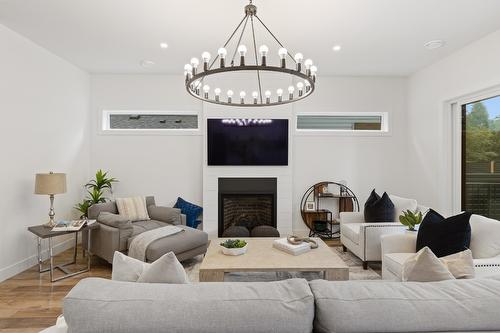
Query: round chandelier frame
(302, 70)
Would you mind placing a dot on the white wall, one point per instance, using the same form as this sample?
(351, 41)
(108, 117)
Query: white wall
(165, 166)
(170, 166)
(471, 69)
(44, 108)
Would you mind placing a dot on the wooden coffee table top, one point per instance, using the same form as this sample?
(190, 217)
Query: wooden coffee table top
(262, 256)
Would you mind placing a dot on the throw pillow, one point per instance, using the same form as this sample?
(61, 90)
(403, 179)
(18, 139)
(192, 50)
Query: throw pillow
(424, 266)
(444, 236)
(402, 205)
(460, 264)
(133, 208)
(166, 269)
(485, 241)
(114, 220)
(379, 209)
(191, 211)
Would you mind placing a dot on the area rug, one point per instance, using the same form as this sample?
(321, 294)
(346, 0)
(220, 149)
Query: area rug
(356, 271)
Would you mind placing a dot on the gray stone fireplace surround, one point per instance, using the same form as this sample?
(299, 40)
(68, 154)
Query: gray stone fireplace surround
(246, 202)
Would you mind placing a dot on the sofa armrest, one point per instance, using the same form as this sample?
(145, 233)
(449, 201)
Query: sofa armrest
(165, 214)
(183, 219)
(114, 220)
(399, 243)
(352, 217)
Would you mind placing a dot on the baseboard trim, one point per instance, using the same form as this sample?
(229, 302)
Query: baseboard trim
(21, 266)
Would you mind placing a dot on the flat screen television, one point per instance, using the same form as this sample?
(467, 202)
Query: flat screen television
(247, 141)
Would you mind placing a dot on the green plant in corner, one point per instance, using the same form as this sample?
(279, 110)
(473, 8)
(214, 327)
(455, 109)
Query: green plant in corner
(96, 189)
(410, 219)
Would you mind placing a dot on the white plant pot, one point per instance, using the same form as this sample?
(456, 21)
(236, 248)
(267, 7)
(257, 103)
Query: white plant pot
(234, 251)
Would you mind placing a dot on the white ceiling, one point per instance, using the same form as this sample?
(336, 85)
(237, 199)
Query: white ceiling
(378, 37)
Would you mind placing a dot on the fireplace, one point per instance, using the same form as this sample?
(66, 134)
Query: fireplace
(247, 202)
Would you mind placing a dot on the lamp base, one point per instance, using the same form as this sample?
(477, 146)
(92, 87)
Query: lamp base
(51, 224)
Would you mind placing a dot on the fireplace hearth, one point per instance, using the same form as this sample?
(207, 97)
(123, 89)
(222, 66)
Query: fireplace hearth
(247, 202)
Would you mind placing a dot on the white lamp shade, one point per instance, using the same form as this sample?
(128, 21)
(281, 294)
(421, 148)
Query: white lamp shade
(50, 183)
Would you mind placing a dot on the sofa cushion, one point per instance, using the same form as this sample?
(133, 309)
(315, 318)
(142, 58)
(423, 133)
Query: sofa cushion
(178, 243)
(485, 237)
(165, 214)
(444, 236)
(191, 211)
(393, 262)
(379, 209)
(99, 305)
(351, 231)
(141, 226)
(134, 208)
(114, 220)
(96, 209)
(402, 205)
(383, 306)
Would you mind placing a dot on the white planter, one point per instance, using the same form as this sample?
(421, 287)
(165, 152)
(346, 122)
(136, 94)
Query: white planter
(234, 251)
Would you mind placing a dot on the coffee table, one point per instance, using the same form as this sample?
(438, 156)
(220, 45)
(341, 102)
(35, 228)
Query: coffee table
(261, 256)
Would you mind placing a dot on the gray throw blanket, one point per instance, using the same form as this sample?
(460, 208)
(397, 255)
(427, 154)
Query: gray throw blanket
(140, 243)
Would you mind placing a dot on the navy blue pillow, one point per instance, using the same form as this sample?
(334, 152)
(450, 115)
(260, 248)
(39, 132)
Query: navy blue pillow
(191, 211)
(379, 209)
(444, 236)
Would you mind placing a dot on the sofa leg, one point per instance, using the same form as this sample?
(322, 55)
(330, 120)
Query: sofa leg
(365, 265)
(344, 249)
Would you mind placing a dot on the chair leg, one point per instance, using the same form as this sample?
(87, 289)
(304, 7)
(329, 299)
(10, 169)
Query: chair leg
(344, 249)
(365, 265)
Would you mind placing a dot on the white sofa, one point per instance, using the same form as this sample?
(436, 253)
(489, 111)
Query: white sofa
(363, 239)
(485, 247)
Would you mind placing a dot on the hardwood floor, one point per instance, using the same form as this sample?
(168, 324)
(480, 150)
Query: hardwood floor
(29, 302)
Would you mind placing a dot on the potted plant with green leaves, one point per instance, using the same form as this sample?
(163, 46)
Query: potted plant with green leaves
(411, 219)
(234, 247)
(97, 189)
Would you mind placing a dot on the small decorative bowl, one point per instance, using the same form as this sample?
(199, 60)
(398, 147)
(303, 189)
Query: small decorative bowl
(237, 251)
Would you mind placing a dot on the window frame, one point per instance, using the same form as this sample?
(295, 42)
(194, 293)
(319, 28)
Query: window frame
(105, 129)
(385, 126)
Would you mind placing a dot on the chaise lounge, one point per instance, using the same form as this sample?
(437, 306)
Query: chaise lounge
(109, 238)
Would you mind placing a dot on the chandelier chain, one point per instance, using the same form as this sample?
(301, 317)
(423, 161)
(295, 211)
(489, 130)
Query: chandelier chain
(275, 38)
(256, 59)
(239, 40)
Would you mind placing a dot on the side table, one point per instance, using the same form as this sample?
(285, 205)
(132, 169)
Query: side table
(43, 232)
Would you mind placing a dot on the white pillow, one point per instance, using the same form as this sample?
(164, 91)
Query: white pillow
(460, 264)
(166, 269)
(424, 266)
(133, 208)
(401, 205)
(485, 237)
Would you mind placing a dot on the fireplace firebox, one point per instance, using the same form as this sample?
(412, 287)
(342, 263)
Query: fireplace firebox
(247, 202)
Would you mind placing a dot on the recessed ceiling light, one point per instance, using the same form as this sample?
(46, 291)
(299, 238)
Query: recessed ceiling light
(147, 63)
(434, 44)
(337, 48)
(163, 45)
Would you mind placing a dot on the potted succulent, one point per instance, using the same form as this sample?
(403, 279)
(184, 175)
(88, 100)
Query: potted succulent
(234, 247)
(410, 219)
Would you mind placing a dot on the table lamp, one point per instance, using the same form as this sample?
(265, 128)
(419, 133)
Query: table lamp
(50, 184)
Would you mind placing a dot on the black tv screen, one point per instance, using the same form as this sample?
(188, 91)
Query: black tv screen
(247, 141)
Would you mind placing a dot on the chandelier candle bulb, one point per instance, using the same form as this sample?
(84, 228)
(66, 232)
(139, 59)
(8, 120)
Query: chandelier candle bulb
(300, 86)
(308, 63)
(291, 90)
(206, 89)
(242, 50)
(195, 62)
(255, 95)
(298, 59)
(308, 86)
(242, 97)
(263, 49)
(229, 96)
(279, 92)
(206, 58)
(222, 52)
(217, 94)
(197, 87)
(268, 96)
(313, 70)
(282, 52)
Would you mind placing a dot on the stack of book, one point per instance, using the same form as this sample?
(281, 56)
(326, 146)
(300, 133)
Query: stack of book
(283, 245)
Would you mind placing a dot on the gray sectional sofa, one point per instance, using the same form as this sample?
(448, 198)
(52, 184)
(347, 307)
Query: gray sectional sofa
(109, 238)
(289, 306)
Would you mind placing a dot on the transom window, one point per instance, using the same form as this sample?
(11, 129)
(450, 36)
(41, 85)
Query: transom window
(149, 120)
(345, 122)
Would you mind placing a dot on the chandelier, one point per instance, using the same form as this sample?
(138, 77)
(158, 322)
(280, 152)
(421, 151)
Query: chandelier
(297, 76)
